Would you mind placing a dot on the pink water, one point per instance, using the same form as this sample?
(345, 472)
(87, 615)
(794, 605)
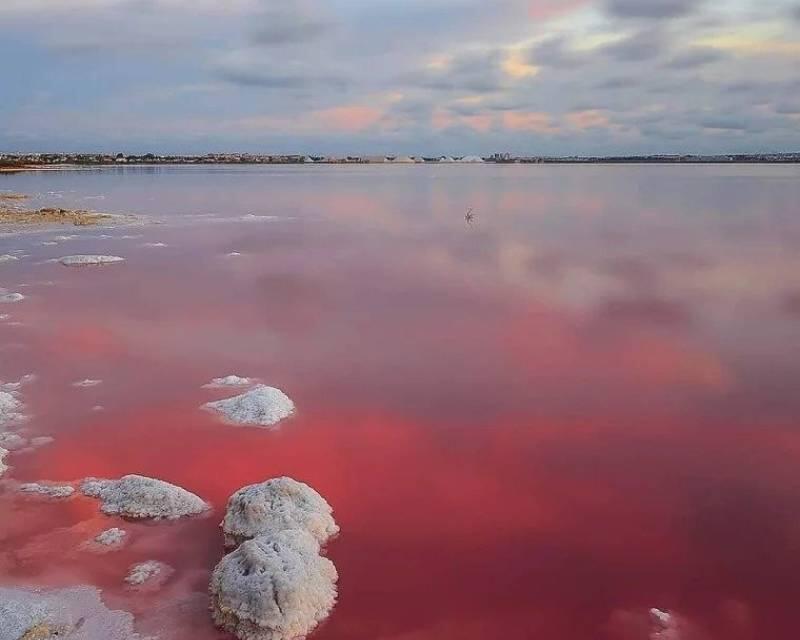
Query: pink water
(583, 405)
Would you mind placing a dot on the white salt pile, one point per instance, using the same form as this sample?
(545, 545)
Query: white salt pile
(275, 505)
(276, 585)
(150, 574)
(8, 298)
(134, 496)
(273, 587)
(113, 537)
(87, 383)
(86, 260)
(228, 381)
(260, 406)
(48, 490)
(76, 613)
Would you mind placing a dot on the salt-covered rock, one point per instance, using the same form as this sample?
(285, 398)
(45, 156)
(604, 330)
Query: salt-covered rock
(113, 537)
(87, 260)
(229, 381)
(7, 257)
(277, 505)
(12, 441)
(665, 625)
(273, 587)
(151, 574)
(48, 490)
(10, 297)
(260, 406)
(3, 466)
(135, 496)
(11, 408)
(76, 613)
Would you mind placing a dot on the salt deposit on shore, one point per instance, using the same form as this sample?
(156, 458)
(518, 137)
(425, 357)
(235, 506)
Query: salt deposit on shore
(48, 490)
(10, 297)
(135, 496)
(7, 257)
(89, 260)
(11, 409)
(12, 441)
(260, 406)
(273, 587)
(76, 613)
(276, 505)
(113, 537)
(3, 465)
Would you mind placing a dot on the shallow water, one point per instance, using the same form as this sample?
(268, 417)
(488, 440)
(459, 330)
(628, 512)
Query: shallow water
(582, 405)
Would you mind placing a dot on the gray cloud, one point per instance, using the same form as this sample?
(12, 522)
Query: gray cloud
(288, 25)
(643, 45)
(651, 9)
(478, 72)
(556, 53)
(695, 57)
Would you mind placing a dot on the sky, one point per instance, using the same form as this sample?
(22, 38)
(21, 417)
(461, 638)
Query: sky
(533, 77)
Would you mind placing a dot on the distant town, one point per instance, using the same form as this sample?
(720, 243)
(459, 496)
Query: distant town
(25, 160)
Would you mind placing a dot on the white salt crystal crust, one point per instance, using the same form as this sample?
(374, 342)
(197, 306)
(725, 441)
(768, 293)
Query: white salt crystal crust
(261, 406)
(229, 381)
(113, 537)
(276, 505)
(135, 496)
(87, 260)
(75, 613)
(11, 297)
(48, 490)
(273, 587)
(150, 574)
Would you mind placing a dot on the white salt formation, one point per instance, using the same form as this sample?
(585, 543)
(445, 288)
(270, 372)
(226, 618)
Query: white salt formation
(3, 466)
(273, 587)
(48, 490)
(151, 573)
(134, 496)
(229, 381)
(76, 613)
(85, 260)
(274, 506)
(113, 537)
(665, 626)
(10, 408)
(40, 441)
(12, 441)
(260, 406)
(7, 257)
(87, 383)
(154, 245)
(10, 297)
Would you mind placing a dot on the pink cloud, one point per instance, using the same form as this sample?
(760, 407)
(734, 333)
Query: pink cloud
(529, 121)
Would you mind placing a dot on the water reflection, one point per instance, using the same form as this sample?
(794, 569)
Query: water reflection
(580, 407)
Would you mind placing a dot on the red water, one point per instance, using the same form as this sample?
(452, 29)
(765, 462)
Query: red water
(583, 405)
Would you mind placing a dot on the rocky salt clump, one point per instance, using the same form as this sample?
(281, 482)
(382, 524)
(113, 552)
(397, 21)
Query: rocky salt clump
(87, 383)
(135, 496)
(150, 574)
(12, 441)
(260, 406)
(277, 505)
(48, 490)
(11, 408)
(3, 466)
(75, 613)
(113, 537)
(89, 260)
(274, 587)
(8, 298)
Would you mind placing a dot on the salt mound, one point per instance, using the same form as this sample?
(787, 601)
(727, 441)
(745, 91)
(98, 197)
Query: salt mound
(48, 490)
(10, 408)
(113, 537)
(12, 441)
(84, 260)
(11, 297)
(76, 613)
(277, 505)
(134, 496)
(273, 588)
(260, 406)
(229, 381)
(150, 574)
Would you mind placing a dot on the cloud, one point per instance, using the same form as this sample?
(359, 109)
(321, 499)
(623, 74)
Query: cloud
(695, 57)
(288, 24)
(556, 53)
(651, 9)
(642, 45)
(476, 72)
